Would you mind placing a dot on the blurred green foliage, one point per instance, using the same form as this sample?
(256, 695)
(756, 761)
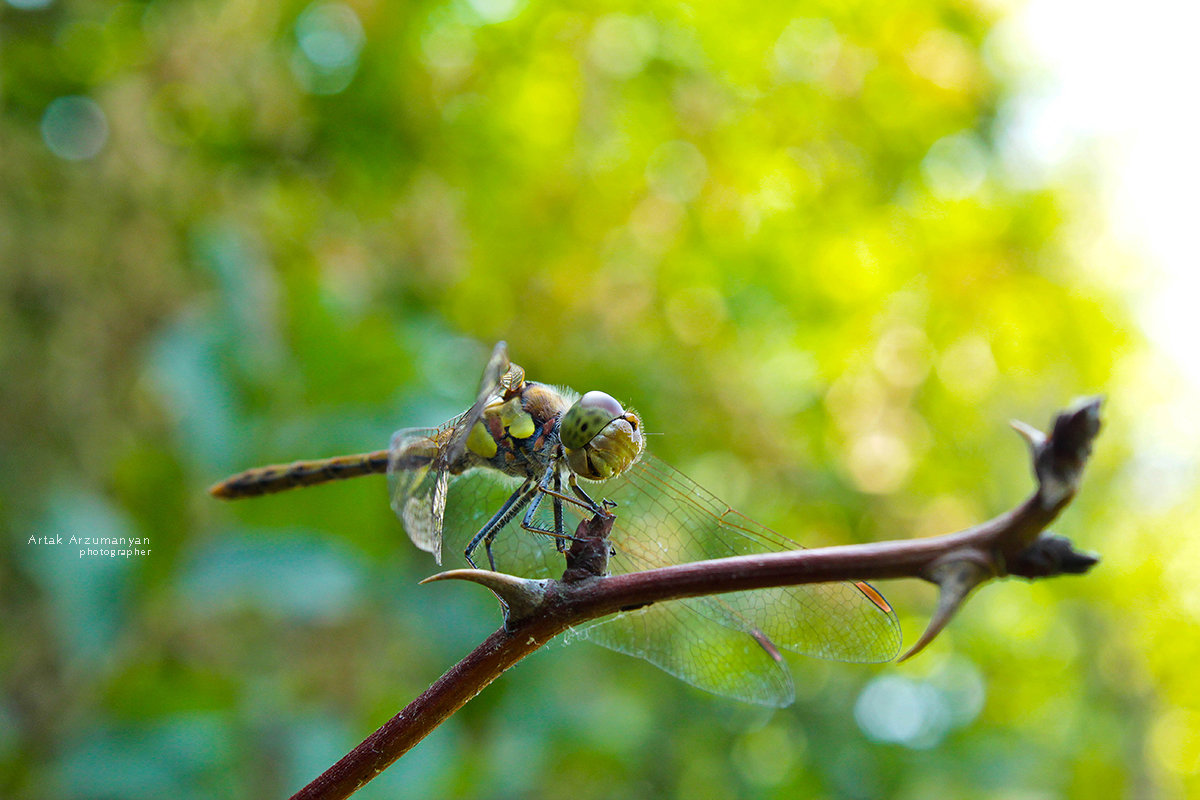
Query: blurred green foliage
(242, 232)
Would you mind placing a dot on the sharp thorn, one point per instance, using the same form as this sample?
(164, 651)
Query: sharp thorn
(520, 596)
(955, 580)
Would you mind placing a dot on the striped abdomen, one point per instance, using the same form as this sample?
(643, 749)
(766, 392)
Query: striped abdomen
(279, 477)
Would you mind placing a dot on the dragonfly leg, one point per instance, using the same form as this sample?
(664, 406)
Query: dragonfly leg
(560, 543)
(543, 488)
(512, 506)
(586, 501)
(578, 497)
(538, 493)
(561, 538)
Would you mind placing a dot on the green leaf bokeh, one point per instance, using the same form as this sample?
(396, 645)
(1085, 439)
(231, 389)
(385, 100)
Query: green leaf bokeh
(792, 236)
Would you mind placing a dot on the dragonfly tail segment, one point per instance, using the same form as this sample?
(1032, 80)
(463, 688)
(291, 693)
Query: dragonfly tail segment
(281, 477)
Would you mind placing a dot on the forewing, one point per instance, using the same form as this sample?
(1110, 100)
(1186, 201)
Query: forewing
(417, 489)
(419, 459)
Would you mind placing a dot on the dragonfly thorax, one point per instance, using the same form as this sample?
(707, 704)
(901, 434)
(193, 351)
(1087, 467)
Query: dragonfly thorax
(518, 432)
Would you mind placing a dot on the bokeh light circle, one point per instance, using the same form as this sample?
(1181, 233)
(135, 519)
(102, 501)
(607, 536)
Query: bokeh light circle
(74, 128)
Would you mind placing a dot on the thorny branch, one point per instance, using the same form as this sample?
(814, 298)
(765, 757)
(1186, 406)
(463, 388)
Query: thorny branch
(1014, 543)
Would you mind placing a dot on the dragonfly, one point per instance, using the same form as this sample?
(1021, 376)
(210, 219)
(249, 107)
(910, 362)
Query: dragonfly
(515, 472)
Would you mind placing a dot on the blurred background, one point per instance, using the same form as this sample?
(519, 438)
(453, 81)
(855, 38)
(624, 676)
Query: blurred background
(828, 250)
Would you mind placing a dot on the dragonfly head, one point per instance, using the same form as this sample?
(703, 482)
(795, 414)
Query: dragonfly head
(601, 438)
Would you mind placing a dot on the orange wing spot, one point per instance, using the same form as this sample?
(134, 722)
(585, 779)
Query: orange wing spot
(874, 596)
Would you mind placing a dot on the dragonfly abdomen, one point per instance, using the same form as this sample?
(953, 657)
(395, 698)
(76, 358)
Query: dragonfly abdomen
(281, 477)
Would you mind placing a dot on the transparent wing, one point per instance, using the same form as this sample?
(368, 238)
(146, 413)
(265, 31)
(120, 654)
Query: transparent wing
(417, 489)
(722, 643)
(497, 375)
(713, 657)
(419, 459)
(705, 653)
(665, 518)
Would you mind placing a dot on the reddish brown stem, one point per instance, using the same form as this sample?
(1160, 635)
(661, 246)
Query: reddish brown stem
(399, 734)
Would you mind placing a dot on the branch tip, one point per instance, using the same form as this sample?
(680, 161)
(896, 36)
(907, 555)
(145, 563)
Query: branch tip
(1051, 555)
(1059, 459)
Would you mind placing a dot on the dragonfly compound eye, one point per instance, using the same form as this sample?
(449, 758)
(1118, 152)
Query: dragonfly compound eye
(602, 439)
(588, 417)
